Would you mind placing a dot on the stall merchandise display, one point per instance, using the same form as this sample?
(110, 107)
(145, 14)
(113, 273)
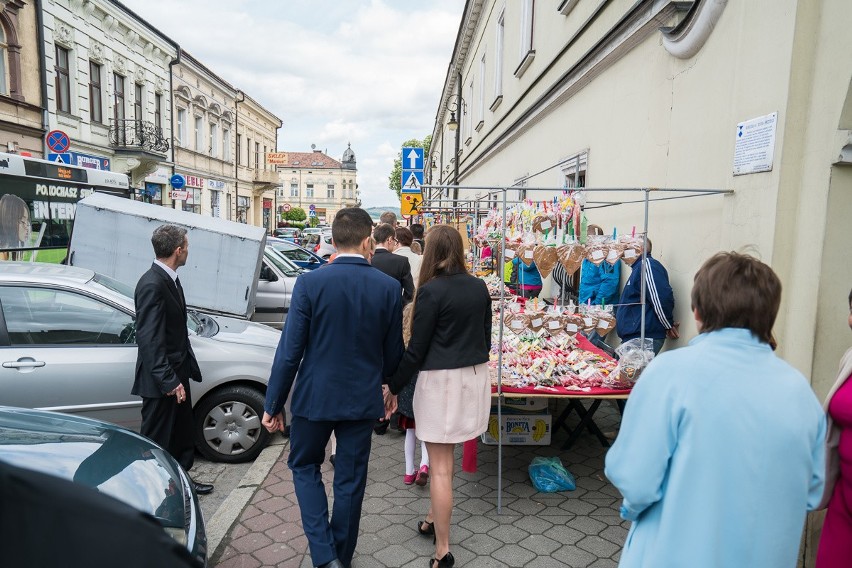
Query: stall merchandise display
(541, 349)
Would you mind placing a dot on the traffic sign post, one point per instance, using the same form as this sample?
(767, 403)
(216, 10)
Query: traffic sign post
(63, 158)
(286, 207)
(410, 203)
(177, 181)
(411, 181)
(58, 141)
(312, 213)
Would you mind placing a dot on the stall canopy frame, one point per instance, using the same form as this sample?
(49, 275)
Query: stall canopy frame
(476, 207)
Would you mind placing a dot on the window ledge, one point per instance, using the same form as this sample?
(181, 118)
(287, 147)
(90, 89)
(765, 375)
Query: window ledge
(468, 141)
(479, 125)
(566, 6)
(496, 103)
(526, 61)
(68, 119)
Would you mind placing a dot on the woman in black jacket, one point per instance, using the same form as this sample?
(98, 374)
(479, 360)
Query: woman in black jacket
(449, 346)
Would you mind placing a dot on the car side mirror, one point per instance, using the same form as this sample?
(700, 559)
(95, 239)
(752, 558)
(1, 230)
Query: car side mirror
(313, 260)
(267, 274)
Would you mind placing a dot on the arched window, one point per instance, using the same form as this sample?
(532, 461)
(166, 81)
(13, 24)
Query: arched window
(4, 63)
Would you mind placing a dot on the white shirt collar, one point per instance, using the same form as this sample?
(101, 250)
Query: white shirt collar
(349, 255)
(168, 269)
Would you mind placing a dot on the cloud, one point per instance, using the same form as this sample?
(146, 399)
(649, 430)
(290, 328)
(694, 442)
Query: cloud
(368, 72)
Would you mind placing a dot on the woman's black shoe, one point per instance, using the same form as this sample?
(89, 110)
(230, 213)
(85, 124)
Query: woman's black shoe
(425, 527)
(446, 562)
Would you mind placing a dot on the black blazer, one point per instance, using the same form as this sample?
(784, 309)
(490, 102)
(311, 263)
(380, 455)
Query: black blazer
(396, 267)
(165, 357)
(451, 328)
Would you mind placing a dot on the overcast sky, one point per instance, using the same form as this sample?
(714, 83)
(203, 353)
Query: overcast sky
(369, 72)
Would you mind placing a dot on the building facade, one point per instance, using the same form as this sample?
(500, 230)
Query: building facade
(656, 94)
(21, 100)
(204, 109)
(256, 134)
(314, 178)
(107, 75)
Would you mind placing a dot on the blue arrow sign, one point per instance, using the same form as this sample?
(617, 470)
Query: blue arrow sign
(411, 181)
(412, 158)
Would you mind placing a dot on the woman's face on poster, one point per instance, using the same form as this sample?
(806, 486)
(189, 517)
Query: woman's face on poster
(24, 227)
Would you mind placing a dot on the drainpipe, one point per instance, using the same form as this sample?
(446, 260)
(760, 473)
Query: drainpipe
(42, 55)
(172, 64)
(237, 102)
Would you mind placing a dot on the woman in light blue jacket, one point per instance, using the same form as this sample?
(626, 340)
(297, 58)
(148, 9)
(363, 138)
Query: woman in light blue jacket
(721, 449)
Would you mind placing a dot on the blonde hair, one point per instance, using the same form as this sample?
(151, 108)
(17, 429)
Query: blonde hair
(407, 317)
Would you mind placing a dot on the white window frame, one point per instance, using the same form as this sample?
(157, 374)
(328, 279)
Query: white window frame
(294, 189)
(199, 133)
(181, 127)
(309, 190)
(329, 189)
(527, 53)
(498, 59)
(480, 96)
(226, 144)
(468, 117)
(214, 140)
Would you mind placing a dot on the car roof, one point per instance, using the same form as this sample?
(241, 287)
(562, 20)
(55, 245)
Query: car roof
(45, 272)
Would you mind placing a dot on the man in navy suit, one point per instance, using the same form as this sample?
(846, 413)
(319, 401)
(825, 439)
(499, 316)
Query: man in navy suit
(343, 336)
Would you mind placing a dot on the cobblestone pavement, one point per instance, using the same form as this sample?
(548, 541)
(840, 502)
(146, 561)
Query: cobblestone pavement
(579, 528)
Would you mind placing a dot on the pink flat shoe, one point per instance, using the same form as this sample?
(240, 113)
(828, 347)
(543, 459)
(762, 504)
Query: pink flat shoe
(422, 476)
(409, 479)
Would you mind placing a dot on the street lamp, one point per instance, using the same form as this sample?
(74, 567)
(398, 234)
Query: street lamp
(455, 103)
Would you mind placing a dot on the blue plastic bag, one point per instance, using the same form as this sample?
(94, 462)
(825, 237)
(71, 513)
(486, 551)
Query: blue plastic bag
(548, 475)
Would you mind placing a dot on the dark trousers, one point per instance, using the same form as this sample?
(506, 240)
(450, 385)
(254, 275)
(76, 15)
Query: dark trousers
(336, 538)
(170, 425)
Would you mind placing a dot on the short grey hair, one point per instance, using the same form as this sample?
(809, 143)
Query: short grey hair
(166, 239)
(388, 217)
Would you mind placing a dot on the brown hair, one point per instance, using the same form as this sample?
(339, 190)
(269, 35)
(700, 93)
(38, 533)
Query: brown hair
(404, 236)
(444, 253)
(737, 290)
(383, 232)
(407, 317)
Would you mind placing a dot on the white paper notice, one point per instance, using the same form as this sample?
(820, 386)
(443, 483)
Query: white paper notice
(545, 225)
(529, 254)
(597, 254)
(629, 253)
(536, 322)
(553, 324)
(754, 148)
(510, 253)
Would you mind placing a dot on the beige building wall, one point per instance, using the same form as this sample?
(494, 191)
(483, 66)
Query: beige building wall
(314, 178)
(206, 157)
(257, 131)
(21, 127)
(649, 119)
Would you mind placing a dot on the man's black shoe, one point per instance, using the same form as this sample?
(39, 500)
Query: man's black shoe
(333, 564)
(380, 427)
(202, 488)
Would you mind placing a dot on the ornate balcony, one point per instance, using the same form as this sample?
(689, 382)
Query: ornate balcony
(137, 135)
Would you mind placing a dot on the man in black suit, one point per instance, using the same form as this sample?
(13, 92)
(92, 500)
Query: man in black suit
(165, 361)
(394, 265)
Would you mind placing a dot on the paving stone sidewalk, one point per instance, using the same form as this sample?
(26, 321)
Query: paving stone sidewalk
(539, 530)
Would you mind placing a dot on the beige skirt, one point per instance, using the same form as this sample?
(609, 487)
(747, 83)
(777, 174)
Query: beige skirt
(452, 405)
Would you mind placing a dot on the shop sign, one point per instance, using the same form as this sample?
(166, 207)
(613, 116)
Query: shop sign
(160, 176)
(267, 204)
(277, 158)
(193, 181)
(216, 184)
(179, 195)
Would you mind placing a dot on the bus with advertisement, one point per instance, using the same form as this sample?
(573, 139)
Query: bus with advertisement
(38, 202)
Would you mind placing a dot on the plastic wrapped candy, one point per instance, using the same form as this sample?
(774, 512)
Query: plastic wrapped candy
(632, 360)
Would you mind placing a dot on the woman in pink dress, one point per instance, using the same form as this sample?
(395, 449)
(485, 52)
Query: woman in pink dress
(835, 544)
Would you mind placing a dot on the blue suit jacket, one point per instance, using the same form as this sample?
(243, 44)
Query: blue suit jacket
(343, 336)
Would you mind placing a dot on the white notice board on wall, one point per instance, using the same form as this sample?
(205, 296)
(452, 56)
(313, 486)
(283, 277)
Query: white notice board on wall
(754, 148)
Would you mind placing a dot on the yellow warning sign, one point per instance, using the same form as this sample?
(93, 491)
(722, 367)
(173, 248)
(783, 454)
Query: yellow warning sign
(410, 203)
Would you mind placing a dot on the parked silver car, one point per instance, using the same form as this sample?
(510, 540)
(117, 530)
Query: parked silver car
(67, 343)
(274, 288)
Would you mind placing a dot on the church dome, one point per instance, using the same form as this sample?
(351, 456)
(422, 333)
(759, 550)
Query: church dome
(348, 158)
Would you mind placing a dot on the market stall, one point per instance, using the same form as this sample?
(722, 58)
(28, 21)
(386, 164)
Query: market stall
(539, 350)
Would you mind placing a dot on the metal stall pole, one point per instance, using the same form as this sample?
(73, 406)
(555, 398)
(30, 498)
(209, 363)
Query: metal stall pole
(642, 269)
(500, 364)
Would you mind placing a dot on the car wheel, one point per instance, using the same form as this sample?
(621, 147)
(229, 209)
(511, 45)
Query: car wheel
(228, 425)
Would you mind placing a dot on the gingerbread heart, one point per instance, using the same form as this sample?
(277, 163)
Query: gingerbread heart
(571, 256)
(545, 259)
(526, 254)
(573, 323)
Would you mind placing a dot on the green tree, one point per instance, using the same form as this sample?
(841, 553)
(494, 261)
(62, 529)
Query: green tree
(295, 214)
(395, 177)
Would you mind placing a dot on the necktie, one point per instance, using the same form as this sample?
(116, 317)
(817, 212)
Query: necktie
(180, 293)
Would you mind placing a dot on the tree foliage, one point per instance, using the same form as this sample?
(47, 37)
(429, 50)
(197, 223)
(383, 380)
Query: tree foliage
(395, 178)
(295, 214)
